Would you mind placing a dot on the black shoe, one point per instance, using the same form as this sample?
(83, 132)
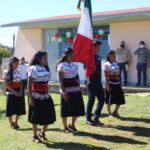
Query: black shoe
(91, 122)
(98, 123)
(116, 115)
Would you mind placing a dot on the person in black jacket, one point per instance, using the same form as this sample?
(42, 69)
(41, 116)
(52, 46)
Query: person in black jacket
(95, 89)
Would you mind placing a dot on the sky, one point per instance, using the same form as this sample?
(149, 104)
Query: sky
(19, 10)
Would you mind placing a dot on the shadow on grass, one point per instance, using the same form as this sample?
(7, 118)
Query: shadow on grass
(24, 129)
(73, 146)
(111, 138)
(108, 138)
(103, 115)
(145, 120)
(55, 129)
(138, 131)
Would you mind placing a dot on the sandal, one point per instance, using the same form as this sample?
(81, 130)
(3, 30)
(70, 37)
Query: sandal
(43, 137)
(37, 139)
(15, 126)
(12, 125)
(66, 130)
(72, 128)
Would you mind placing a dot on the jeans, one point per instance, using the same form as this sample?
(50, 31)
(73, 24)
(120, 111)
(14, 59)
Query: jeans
(122, 68)
(94, 91)
(141, 69)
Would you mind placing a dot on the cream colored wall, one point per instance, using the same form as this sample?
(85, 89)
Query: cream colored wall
(132, 33)
(28, 42)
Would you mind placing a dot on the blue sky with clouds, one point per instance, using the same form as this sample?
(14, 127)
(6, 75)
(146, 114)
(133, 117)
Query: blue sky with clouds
(18, 10)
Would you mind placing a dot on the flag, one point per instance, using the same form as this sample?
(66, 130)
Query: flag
(83, 43)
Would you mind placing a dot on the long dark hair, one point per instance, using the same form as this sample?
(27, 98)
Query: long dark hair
(10, 69)
(68, 51)
(110, 52)
(37, 57)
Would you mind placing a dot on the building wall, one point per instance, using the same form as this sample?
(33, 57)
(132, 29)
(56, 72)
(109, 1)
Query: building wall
(28, 42)
(132, 33)
(52, 50)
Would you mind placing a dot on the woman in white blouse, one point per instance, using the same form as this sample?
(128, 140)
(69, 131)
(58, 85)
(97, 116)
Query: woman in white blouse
(15, 104)
(41, 106)
(114, 92)
(71, 97)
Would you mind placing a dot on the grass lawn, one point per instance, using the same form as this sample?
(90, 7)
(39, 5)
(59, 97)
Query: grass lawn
(132, 132)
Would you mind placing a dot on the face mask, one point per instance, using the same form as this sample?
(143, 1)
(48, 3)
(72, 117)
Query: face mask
(122, 45)
(142, 46)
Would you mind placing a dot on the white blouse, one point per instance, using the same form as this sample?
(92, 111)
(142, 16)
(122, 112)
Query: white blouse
(70, 69)
(111, 68)
(16, 75)
(39, 73)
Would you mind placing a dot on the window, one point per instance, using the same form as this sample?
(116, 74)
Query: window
(104, 39)
(67, 40)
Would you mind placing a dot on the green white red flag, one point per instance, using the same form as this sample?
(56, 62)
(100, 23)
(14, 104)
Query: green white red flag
(83, 43)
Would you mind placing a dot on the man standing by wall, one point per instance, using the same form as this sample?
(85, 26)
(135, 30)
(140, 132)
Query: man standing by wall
(23, 70)
(143, 60)
(123, 57)
(95, 89)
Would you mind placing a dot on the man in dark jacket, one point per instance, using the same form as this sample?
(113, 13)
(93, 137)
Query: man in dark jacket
(95, 89)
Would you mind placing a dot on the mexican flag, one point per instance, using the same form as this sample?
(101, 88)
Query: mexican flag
(83, 43)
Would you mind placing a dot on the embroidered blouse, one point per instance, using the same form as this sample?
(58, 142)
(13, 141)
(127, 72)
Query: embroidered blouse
(70, 69)
(41, 77)
(71, 78)
(16, 82)
(113, 71)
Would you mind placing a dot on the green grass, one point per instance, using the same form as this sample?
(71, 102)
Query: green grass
(130, 133)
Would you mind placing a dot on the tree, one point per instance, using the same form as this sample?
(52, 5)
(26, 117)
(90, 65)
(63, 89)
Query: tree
(4, 52)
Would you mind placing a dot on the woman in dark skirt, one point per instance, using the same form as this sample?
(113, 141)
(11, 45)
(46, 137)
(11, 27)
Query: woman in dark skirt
(15, 104)
(114, 92)
(71, 97)
(41, 106)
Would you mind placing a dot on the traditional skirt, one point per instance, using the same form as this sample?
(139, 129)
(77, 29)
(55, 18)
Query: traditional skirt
(14, 105)
(75, 105)
(43, 113)
(116, 96)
